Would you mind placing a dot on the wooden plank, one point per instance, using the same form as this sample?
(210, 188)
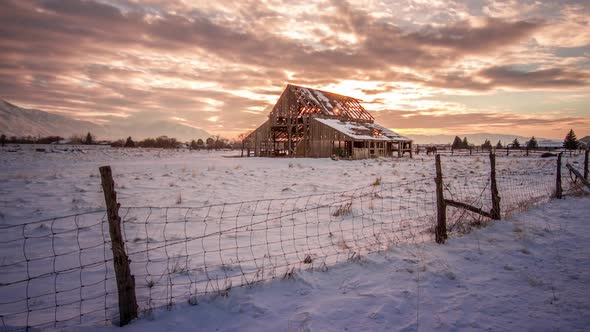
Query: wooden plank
(558, 189)
(578, 175)
(467, 207)
(586, 164)
(125, 281)
(495, 212)
(441, 208)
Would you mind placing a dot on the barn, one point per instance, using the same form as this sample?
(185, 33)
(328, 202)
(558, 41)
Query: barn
(318, 124)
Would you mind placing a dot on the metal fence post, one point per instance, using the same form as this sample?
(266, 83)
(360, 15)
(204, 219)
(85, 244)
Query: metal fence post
(125, 281)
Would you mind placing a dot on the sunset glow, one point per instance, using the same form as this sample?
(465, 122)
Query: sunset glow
(420, 67)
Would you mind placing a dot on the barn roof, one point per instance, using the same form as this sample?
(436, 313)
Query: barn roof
(364, 131)
(322, 102)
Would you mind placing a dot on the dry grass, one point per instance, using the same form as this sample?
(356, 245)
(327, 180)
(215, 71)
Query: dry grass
(377, 181)
(343, 210)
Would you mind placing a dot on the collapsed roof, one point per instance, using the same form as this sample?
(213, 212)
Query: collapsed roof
(364, 131)
(319, 102)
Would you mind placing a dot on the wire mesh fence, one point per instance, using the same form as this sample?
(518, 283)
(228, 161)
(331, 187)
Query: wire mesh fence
(59, 272)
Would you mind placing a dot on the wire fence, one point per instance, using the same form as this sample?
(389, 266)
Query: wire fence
(59, 272)
(447, 150)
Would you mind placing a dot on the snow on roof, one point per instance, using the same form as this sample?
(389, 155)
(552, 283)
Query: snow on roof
(333, 104)
(312, 94)
(363, 131)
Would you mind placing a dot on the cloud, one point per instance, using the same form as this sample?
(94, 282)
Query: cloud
(543, 78)
(176, 59)
(442, 121)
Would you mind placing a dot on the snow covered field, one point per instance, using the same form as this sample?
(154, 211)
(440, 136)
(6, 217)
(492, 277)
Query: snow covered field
(528, 274)
(199, 223)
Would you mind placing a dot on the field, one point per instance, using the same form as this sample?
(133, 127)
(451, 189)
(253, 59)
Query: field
(197, 224)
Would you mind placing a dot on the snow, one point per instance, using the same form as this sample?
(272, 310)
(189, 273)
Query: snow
(320, 96)
(530, 273)
(351, 128)
(35, 186)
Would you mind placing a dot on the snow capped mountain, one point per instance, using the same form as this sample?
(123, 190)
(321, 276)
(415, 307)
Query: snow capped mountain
(17, 121)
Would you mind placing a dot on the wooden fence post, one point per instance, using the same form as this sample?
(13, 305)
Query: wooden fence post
(495, 196)
(125, 281)
(558, 189)
(441, 207)
(586, 164)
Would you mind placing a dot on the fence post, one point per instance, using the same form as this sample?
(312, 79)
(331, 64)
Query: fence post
(495, 196)
(125, 281)
(441, 207)
(586, 164)
(558, 189)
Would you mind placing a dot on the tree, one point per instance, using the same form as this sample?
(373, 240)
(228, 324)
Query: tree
(487, 145)
(210, 142)
(457, 143)
(129, 143)
(499, 145)
(193, 145)
(76, 139)
(200, 143)
(571, 141)
(118, 143)
(532, 143)
(89, 140)
(465, 144)
(516, 144)
(2, 139)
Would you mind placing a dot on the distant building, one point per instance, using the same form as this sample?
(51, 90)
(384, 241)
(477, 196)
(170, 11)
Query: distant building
(312, 123)
(549, 144)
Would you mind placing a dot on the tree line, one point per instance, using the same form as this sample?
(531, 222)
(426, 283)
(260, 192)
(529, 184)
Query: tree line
(570, 142)
(162, 142)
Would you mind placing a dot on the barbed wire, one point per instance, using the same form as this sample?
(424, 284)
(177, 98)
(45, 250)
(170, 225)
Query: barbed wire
(59, 272)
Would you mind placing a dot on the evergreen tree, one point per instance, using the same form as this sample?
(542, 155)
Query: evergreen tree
(532, 143)
(457, 143)
(88, 139)
(465, 144)
(487, 145)
(571, 141)
(129, 143)
(516, 144)
(2, 139)
(499, 145)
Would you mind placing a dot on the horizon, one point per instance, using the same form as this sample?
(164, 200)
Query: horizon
(517, 68)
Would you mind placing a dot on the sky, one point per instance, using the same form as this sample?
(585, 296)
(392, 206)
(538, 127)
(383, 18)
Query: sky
(421, 67)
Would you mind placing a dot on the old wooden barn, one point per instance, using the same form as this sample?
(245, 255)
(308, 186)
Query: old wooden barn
(313, 123)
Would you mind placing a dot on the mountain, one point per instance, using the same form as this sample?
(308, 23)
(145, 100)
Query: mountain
(17, 121)
(472, 138)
